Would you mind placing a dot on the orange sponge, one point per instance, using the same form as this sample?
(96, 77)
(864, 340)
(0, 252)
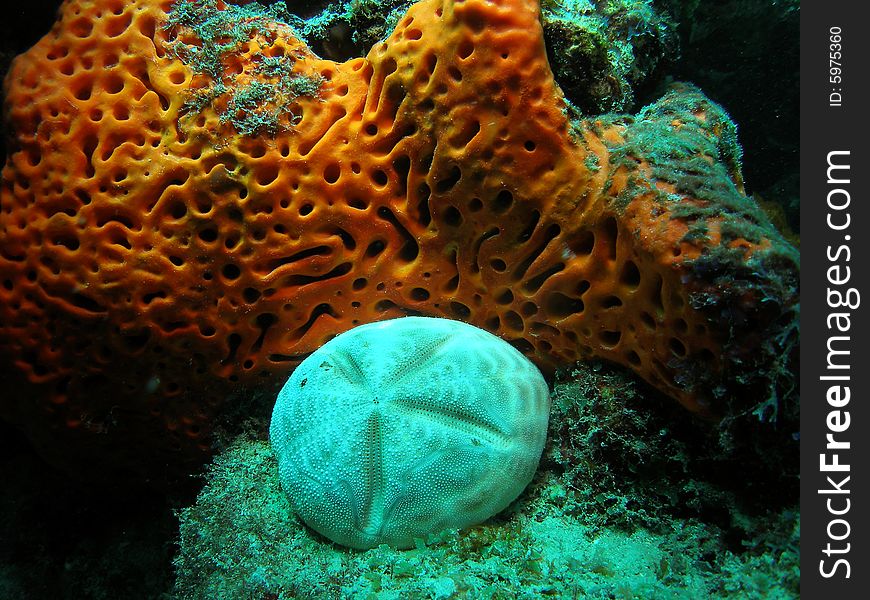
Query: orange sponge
(193, 202)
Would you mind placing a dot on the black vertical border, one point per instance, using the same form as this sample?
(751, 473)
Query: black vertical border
(826, 128)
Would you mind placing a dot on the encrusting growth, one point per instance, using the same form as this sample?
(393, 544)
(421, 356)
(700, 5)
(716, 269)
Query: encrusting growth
(194, 202)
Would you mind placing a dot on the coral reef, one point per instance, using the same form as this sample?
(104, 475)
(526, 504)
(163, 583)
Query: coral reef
(403, 428)
(603, 519)
(629, 460)
(181, 228)
(602, 53)
(347, 28)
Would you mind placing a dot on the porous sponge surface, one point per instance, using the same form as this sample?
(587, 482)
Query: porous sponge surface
(180, 230)
(397, 430)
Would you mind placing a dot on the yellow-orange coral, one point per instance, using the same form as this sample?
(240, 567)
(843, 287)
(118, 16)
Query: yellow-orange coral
(159, 264)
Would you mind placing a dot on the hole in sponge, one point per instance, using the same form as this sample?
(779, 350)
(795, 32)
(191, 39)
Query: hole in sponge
(609, 338)
(331, 173)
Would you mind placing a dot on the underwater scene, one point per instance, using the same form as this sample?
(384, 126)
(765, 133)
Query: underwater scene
(384, 299)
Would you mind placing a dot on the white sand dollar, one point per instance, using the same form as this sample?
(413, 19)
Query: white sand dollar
(402, 428)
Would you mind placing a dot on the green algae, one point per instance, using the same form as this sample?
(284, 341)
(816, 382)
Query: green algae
(592, 162)
(219, 32)
(701, 158)
(263, 106)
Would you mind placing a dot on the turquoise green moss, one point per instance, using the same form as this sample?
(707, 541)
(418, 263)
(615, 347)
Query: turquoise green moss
(626, 504)
(220, 32)
(701, 159)
(264, 105)
(592, 162)
(247, 108)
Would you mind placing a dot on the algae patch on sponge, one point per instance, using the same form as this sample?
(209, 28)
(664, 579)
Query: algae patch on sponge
(180, 231)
